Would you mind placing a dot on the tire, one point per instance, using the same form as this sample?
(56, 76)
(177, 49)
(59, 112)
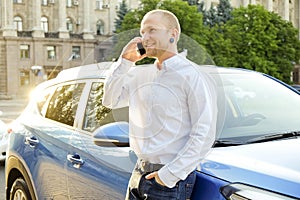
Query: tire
(19, 190)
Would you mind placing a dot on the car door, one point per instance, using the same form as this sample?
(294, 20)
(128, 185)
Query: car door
(52, 133)
(96, 172)
(46, 128)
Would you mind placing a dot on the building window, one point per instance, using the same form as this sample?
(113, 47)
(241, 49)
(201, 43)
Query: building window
(44, 24)
(100, 27)
(18, 23)
(44, 2)
(24, 77)
(51, 52)
(17, 1)
(69, 3)
(99, 4)
(69, 24)
(24, 51)
(76, 52)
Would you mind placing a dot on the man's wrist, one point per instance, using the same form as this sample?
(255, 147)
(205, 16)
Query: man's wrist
(168, 178)
(158, 180)
(127, 61)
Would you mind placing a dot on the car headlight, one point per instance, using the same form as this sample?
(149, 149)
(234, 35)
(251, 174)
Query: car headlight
(238, 191)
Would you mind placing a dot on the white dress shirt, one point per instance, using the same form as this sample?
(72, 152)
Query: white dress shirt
(172, 113)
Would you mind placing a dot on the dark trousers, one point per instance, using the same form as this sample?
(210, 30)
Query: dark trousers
(141, 188)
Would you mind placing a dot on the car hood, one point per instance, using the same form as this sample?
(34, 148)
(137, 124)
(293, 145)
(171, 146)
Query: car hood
(271, 165)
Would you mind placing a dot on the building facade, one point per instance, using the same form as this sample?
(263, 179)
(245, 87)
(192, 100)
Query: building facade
(39, 38)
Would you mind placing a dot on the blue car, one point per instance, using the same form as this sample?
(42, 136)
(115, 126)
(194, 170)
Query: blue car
(67, 145)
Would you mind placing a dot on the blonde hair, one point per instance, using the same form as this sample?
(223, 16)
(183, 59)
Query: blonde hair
(168, 16)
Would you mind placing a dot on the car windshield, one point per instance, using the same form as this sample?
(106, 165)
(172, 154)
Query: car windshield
(255, 105)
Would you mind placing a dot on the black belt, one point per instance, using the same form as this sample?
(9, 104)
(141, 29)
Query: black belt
(146, 167)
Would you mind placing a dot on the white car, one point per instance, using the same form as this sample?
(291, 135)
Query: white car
(3, 140)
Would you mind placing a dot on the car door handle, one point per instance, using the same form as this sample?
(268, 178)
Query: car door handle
(75, 160)
(32, 141)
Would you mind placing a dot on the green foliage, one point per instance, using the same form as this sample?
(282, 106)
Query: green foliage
(192, 2)
(224, 11)
(216, 16)
(123, 10)
(258, 40)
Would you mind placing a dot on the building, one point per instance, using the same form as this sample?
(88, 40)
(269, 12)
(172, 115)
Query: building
(287, 9)
(39, 38)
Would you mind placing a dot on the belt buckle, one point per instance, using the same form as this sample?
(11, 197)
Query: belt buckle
(142, 166)
(145, 166)
(143, 163)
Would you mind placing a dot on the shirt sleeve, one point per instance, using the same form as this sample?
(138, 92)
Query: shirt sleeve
(115, 87)
(202, 106)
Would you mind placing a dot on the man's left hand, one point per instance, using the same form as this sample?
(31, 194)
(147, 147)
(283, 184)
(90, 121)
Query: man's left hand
(155, 175)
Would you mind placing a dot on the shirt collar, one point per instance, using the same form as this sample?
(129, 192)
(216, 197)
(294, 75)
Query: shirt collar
(171, 63)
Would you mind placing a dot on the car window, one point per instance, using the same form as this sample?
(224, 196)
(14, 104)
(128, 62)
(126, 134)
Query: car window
(42, 100)
(96, 114)
(63, 104)
(257, 105)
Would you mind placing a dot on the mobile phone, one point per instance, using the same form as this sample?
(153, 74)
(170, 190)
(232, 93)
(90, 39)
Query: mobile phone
(141, 48)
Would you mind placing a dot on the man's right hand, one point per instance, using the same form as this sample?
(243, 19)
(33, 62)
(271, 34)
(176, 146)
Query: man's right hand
(130, 51)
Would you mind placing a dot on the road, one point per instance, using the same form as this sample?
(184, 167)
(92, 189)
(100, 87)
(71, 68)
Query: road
(9, 110)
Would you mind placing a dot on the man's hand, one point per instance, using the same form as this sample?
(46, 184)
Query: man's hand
(155, 175)
(130, 51)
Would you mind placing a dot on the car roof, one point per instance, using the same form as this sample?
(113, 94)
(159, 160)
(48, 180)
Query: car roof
(96, 70)
(101, 69)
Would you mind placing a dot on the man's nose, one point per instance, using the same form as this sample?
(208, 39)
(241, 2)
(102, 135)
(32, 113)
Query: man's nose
(145, 36)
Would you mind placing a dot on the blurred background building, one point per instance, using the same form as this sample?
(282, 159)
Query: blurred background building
(39, 38)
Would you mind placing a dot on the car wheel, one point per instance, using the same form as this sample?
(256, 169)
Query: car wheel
(19, 190)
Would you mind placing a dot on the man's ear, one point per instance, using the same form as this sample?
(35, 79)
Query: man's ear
(175, 34)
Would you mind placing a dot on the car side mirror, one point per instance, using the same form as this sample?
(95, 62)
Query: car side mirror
(112, 134)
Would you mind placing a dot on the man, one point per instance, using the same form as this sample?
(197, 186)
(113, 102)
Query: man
(172, 110)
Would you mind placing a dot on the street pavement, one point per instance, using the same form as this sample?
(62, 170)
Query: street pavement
(10, 109)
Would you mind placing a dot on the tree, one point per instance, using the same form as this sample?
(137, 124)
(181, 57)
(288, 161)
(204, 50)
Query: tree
(192, 2)
(258, 40)
(224, 11)
(216, 16)
(123, 10)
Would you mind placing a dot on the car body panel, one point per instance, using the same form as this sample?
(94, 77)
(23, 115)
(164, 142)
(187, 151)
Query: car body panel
(103, 167)
(208, 187)
(252, 165)
(44, 160)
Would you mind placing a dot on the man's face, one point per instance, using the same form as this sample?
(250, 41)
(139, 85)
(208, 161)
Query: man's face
(155, 35)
